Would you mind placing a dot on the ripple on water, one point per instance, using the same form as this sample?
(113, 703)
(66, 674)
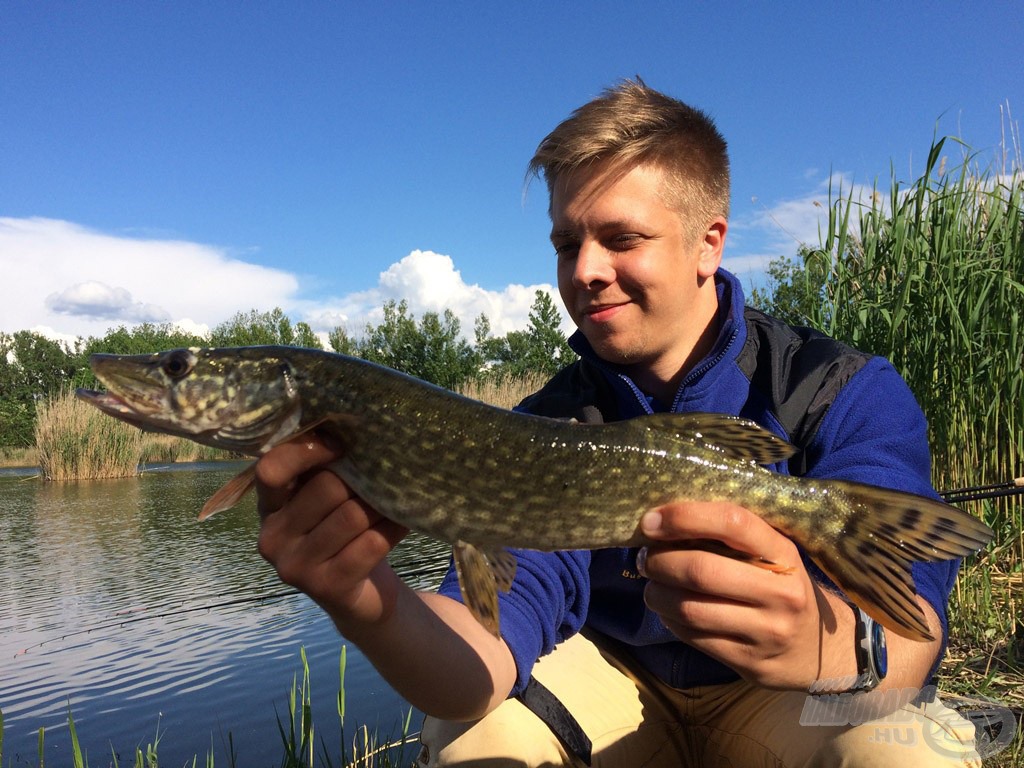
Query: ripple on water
(105, 602)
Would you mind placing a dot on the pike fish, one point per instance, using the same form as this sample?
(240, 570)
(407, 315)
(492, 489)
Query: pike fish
(484, 478)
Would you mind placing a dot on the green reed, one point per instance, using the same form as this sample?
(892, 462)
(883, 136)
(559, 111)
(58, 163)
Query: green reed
(298, 737)
(931, 276)
(75, 441)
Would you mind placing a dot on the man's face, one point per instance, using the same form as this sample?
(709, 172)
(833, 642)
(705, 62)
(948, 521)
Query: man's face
(635, 284)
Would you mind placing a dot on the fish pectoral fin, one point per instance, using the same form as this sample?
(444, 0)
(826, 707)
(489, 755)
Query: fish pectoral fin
(482, 572)
(884, 534)
(736, 437)
(230, 493)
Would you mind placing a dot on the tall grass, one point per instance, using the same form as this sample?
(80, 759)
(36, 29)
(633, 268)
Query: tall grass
(75, 441)
(299, 748)
(931, 275)
(504, 392)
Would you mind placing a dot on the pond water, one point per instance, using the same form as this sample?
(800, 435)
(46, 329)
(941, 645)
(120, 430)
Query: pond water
(116, 601)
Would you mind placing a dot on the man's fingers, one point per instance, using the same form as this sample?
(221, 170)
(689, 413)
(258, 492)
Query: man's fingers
(278, 471)
(732, 526)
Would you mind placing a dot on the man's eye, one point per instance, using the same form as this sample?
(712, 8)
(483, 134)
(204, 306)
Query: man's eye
(566, 248)
(624, 241)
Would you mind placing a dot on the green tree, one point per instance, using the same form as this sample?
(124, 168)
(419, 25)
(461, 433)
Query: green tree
(32, 368)
(252, 328)
(549, 349)
(448, 359)
(432, 350)
(393, 341)
(142, 339)
(542, 347)
(340, 341)
(795, 290)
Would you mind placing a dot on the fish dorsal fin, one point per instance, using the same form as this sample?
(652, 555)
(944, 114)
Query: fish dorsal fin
(230, 493)
(735, 437)
(482, 572)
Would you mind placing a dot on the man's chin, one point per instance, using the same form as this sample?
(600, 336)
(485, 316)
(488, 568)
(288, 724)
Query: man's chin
(615, 351)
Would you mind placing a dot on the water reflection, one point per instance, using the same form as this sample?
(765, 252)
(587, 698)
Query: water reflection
(106, 591)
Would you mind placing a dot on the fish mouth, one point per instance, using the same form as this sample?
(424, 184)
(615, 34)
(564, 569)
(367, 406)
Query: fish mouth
(114, 406)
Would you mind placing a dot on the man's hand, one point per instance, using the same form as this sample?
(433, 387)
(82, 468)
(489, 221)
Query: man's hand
(776, 629)
(767, 624)
(322, 538)
(330, 544)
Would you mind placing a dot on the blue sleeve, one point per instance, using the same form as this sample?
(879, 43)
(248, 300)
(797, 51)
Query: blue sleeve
(875, 432)
(546, 605)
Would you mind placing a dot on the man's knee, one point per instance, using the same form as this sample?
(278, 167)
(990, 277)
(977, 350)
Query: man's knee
(509, 737)
(926, 735)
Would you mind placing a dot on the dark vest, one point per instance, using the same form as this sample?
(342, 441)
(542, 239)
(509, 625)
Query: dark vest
(799, 371)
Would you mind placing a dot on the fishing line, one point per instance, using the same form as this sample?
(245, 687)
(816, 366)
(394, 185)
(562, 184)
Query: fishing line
(164, 615)
(974, 493)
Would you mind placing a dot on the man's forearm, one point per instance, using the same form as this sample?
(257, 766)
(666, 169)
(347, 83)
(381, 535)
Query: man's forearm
(908, 660)
(437, 656)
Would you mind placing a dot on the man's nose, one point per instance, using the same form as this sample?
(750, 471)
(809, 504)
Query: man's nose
(593, 267)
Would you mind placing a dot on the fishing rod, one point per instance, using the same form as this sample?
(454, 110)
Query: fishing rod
(163, 615)
(978, 492)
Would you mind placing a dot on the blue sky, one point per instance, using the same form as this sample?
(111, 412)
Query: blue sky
(183, 161)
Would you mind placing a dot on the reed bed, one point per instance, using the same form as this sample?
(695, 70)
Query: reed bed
(157, 448)
(930, 276)
(504, 391)
(76, 441)
(14, 456)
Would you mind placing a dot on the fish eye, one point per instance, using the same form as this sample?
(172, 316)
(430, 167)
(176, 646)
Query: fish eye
(178, 363)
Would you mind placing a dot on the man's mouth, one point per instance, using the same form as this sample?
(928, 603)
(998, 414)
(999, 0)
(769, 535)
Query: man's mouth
(601, 313)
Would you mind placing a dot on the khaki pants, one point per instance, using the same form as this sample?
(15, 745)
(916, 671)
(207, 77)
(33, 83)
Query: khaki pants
(636, 721)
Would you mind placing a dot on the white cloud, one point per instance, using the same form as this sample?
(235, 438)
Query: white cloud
(66, 280)
(781, 228)
(94, 299)
(429, 282)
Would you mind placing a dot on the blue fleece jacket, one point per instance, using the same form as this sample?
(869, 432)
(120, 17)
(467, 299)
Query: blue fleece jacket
(874, 432)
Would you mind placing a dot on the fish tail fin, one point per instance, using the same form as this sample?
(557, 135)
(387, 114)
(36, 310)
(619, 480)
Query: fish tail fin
(884, 532)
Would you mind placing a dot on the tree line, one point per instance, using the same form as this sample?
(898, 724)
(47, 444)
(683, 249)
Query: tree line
(34, 368)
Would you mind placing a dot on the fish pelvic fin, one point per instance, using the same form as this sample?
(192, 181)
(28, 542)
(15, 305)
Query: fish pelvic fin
(733, 436)
(884, 533)
(230, 493)
(482, 572)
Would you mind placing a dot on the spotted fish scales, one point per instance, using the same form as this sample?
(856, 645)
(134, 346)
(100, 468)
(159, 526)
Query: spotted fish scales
(486, 479)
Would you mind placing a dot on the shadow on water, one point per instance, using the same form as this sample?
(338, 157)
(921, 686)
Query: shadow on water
(103, 593)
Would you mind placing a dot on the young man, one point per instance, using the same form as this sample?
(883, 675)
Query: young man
(677, 654)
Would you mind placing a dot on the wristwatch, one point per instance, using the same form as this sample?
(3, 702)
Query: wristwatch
(872, 659)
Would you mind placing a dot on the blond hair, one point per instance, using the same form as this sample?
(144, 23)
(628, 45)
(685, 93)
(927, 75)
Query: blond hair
(630, 125)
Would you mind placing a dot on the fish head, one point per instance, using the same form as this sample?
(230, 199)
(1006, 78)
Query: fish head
(243, 399)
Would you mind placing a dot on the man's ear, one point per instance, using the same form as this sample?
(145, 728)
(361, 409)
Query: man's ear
(711, 247)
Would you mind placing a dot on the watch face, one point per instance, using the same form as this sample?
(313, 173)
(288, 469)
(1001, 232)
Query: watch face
(880, 656)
